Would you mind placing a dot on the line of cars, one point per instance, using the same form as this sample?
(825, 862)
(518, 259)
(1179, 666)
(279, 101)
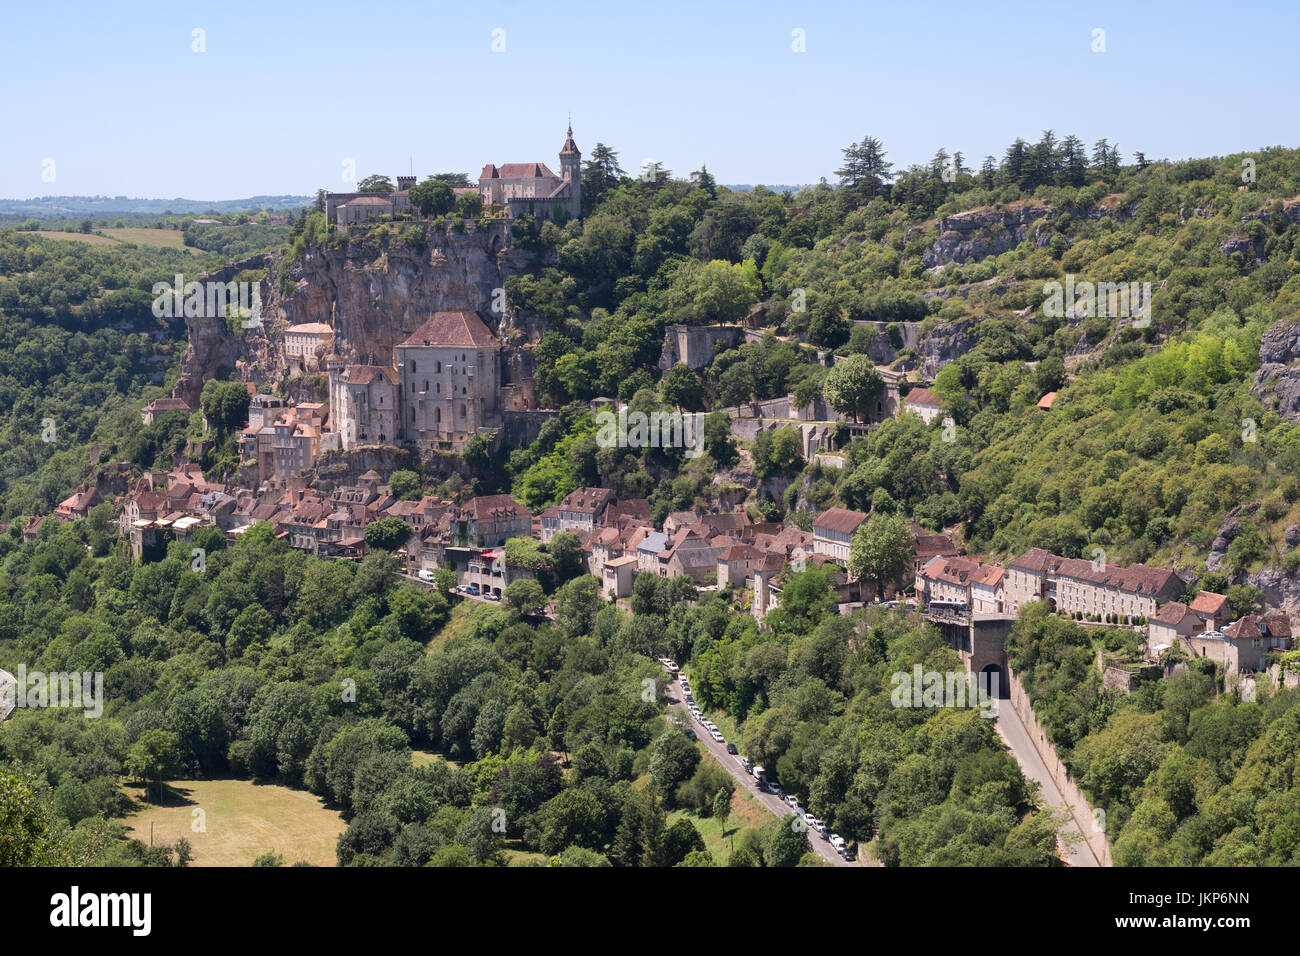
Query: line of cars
(765, 783)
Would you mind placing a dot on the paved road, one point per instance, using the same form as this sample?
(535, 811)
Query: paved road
(731, 764)
(1012, 730)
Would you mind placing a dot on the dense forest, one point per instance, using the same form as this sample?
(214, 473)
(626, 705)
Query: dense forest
(271, 665)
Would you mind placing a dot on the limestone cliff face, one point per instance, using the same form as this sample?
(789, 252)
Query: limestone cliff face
(214, 351)
(972, 235)
(1277, 383)
(373, 292)
(376, 293)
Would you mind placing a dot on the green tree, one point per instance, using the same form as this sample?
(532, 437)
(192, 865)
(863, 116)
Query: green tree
(375, 184)
(881, 550)
(225, 405)
(853, 385)
(788, 842)
(432, 197)
(153, 758)
(526, 596)
(404, 484)
(387, 534)
(672, 760)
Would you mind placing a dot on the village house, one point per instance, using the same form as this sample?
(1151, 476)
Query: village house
(489, 520)
(581, 511)
(946, 579)
(304, 342)
(617, 576)
(78, 505)
(158, 406)
(986, 592)
(736, 565)
(1244, 645)
(1079, 586)
(833, 532)
(923, 402)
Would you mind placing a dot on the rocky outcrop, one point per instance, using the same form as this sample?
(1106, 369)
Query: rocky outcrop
(945, 343)
(373, 291)
(971, 236)
(214, 351)
(1280, 589)
(1289, 211)
(1277, 383)
(1229, 528)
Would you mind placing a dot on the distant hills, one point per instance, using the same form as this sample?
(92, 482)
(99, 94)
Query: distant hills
(45, 206)
(775, 187)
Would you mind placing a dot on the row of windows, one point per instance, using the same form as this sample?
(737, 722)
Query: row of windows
(438, 364)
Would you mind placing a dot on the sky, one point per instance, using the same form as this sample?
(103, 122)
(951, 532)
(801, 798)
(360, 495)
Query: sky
(227, 100)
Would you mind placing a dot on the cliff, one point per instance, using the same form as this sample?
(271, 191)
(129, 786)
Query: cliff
(374, 290)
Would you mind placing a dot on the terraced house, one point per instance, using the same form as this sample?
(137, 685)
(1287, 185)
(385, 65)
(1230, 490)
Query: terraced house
(1079, 586)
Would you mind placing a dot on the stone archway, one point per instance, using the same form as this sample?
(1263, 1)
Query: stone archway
(996, 672)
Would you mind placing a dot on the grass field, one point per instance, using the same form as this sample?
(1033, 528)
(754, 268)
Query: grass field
(462, 617)
(172, 238)
(421, 757)
(242, 820)
(88, 239)
(746, 812)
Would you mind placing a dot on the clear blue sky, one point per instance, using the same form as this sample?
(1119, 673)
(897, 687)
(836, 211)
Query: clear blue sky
(287, 91)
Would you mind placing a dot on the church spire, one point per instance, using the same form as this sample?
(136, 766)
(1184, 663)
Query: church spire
(569, 148)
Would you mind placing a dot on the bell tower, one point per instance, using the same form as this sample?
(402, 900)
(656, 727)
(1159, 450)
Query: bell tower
(571, 172)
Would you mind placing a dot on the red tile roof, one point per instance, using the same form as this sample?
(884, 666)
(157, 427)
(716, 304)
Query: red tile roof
(454, 329)
(839, 519)
(1207, 602)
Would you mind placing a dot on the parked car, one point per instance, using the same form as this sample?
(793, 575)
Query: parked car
(690, 733)
(731, 749)
(819, 827)
(425, 575)
(472, 589)
(836, 841)
(791, 799)
(747, 764)
(718, 737)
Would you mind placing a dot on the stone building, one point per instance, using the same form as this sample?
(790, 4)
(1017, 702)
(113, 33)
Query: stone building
(533, 189)
(450, 378)
(301, 343)
(833, 532)
(363, 403)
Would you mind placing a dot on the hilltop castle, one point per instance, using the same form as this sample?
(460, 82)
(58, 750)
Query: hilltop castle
(520, 188)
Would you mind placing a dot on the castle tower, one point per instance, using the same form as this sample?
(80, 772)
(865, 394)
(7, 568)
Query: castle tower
(571, 172)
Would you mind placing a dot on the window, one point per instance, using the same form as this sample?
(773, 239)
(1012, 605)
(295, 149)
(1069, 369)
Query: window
(412, 365)
(439, 368)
